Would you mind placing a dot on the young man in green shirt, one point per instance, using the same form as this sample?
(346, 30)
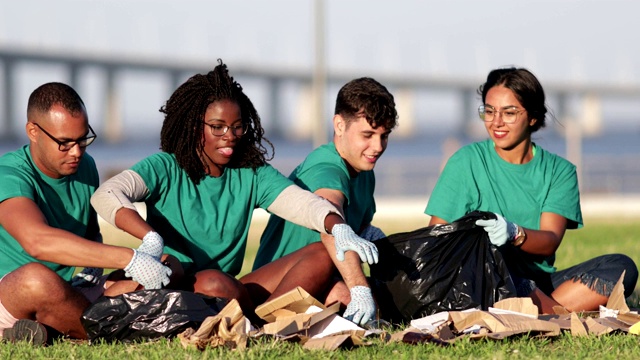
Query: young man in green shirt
(341, 171)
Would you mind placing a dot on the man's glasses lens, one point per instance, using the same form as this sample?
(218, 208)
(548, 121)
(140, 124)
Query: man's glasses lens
(67, 145)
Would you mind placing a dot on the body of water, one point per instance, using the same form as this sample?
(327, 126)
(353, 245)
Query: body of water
(610, 163)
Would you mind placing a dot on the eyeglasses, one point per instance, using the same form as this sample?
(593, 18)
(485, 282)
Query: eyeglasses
(509, 114)
(68, 144)
(219, 130)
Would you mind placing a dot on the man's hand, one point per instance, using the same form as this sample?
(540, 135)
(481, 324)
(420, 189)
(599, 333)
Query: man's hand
(147, 270)
(152, 244)
(362, 308)
(88, 277)
(372, 233)
(500, 230)
(346, 240)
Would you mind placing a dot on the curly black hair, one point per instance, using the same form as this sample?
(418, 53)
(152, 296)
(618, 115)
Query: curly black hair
(182, 129)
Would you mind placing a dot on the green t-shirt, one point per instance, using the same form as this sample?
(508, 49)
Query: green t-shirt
(206, 225)
(64, 203)
(322, 169)
(477, 178)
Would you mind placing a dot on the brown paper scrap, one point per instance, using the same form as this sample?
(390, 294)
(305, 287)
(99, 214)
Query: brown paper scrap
(496, 323)
(596, 328)
(296, 301)
(577, 328)
(522, 305)
(617, 300)
(333, 342)
(228, 328)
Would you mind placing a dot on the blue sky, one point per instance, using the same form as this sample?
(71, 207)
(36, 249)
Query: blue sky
(561, 40)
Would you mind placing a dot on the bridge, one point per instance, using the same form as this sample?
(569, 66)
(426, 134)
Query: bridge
(587, 119)
(404, 87)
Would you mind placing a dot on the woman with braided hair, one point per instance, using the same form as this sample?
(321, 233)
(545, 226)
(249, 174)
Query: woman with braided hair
(201, 190)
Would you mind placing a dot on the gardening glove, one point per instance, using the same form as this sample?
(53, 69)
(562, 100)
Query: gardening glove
(347, 240)
(88, 277)
(372, 233)
(152, 244)
(362, 308)
(147, 271)
(500, 230)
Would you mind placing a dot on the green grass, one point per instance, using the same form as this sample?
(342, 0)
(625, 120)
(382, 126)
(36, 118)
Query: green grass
(598, 237)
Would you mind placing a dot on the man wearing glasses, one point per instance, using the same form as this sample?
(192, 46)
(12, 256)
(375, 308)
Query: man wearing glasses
(48, 227)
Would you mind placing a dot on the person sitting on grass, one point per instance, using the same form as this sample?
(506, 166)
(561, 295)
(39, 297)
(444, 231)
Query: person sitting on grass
(201, 190)
(48, 227)
(534, 195)
(340, 171)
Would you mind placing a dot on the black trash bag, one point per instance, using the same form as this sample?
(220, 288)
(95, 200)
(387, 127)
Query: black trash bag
(439, 268)
(147, 314)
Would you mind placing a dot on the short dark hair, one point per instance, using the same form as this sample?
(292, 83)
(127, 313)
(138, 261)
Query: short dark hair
(182, 129)
(45, 96)
(367, 97)
(525, 87)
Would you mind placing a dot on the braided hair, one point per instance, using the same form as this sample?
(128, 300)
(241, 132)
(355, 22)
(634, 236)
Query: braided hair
(182, 129)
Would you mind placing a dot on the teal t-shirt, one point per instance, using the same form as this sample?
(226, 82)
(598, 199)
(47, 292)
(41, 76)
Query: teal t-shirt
(477, 178)
(206, 225)
(322, 169)
(64, 203)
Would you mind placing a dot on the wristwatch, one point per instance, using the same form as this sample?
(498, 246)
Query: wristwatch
(520, 238)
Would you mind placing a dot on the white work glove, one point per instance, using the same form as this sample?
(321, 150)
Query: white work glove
(147, 271)
(500, 230)
(152, 244)
(372, 233)
(362, 308)
(347, 240)
(88, 277)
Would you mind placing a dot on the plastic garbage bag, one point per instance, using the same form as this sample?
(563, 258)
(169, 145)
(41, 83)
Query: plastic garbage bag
(147, 314)
(439, 268)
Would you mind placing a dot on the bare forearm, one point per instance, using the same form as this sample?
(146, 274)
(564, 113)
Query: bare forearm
(350, 269)
(64, 248)
(131, 222)
(541, 242)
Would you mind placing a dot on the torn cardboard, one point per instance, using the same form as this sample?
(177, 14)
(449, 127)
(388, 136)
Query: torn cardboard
(294, 302)
(228, 328)
(288, 323)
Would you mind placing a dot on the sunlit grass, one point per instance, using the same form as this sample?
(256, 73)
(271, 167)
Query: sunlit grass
(596, 238)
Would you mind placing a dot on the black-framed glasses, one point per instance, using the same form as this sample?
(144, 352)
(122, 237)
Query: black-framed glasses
(68, 144)
(219, 130)
(509, 114)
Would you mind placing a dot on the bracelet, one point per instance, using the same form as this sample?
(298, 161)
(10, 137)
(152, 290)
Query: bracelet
(521, 237)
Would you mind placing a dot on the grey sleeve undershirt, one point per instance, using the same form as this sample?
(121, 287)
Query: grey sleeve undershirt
(303, 207)
(120, 191)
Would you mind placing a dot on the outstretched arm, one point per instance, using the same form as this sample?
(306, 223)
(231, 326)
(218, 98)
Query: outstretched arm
(544, 241)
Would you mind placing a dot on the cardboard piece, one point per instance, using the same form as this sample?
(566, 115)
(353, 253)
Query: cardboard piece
(332, 325)
(577, 328)
(294, 302)
(498, 323)
(430, 323)
(523, 306)
(333, 342)
(287, 324)
(596, 328)
(617, 300)
(228, 328)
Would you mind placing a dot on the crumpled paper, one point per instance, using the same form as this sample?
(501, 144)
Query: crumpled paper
(229, 328)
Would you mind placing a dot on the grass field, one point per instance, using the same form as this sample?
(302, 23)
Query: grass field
(596, 238)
